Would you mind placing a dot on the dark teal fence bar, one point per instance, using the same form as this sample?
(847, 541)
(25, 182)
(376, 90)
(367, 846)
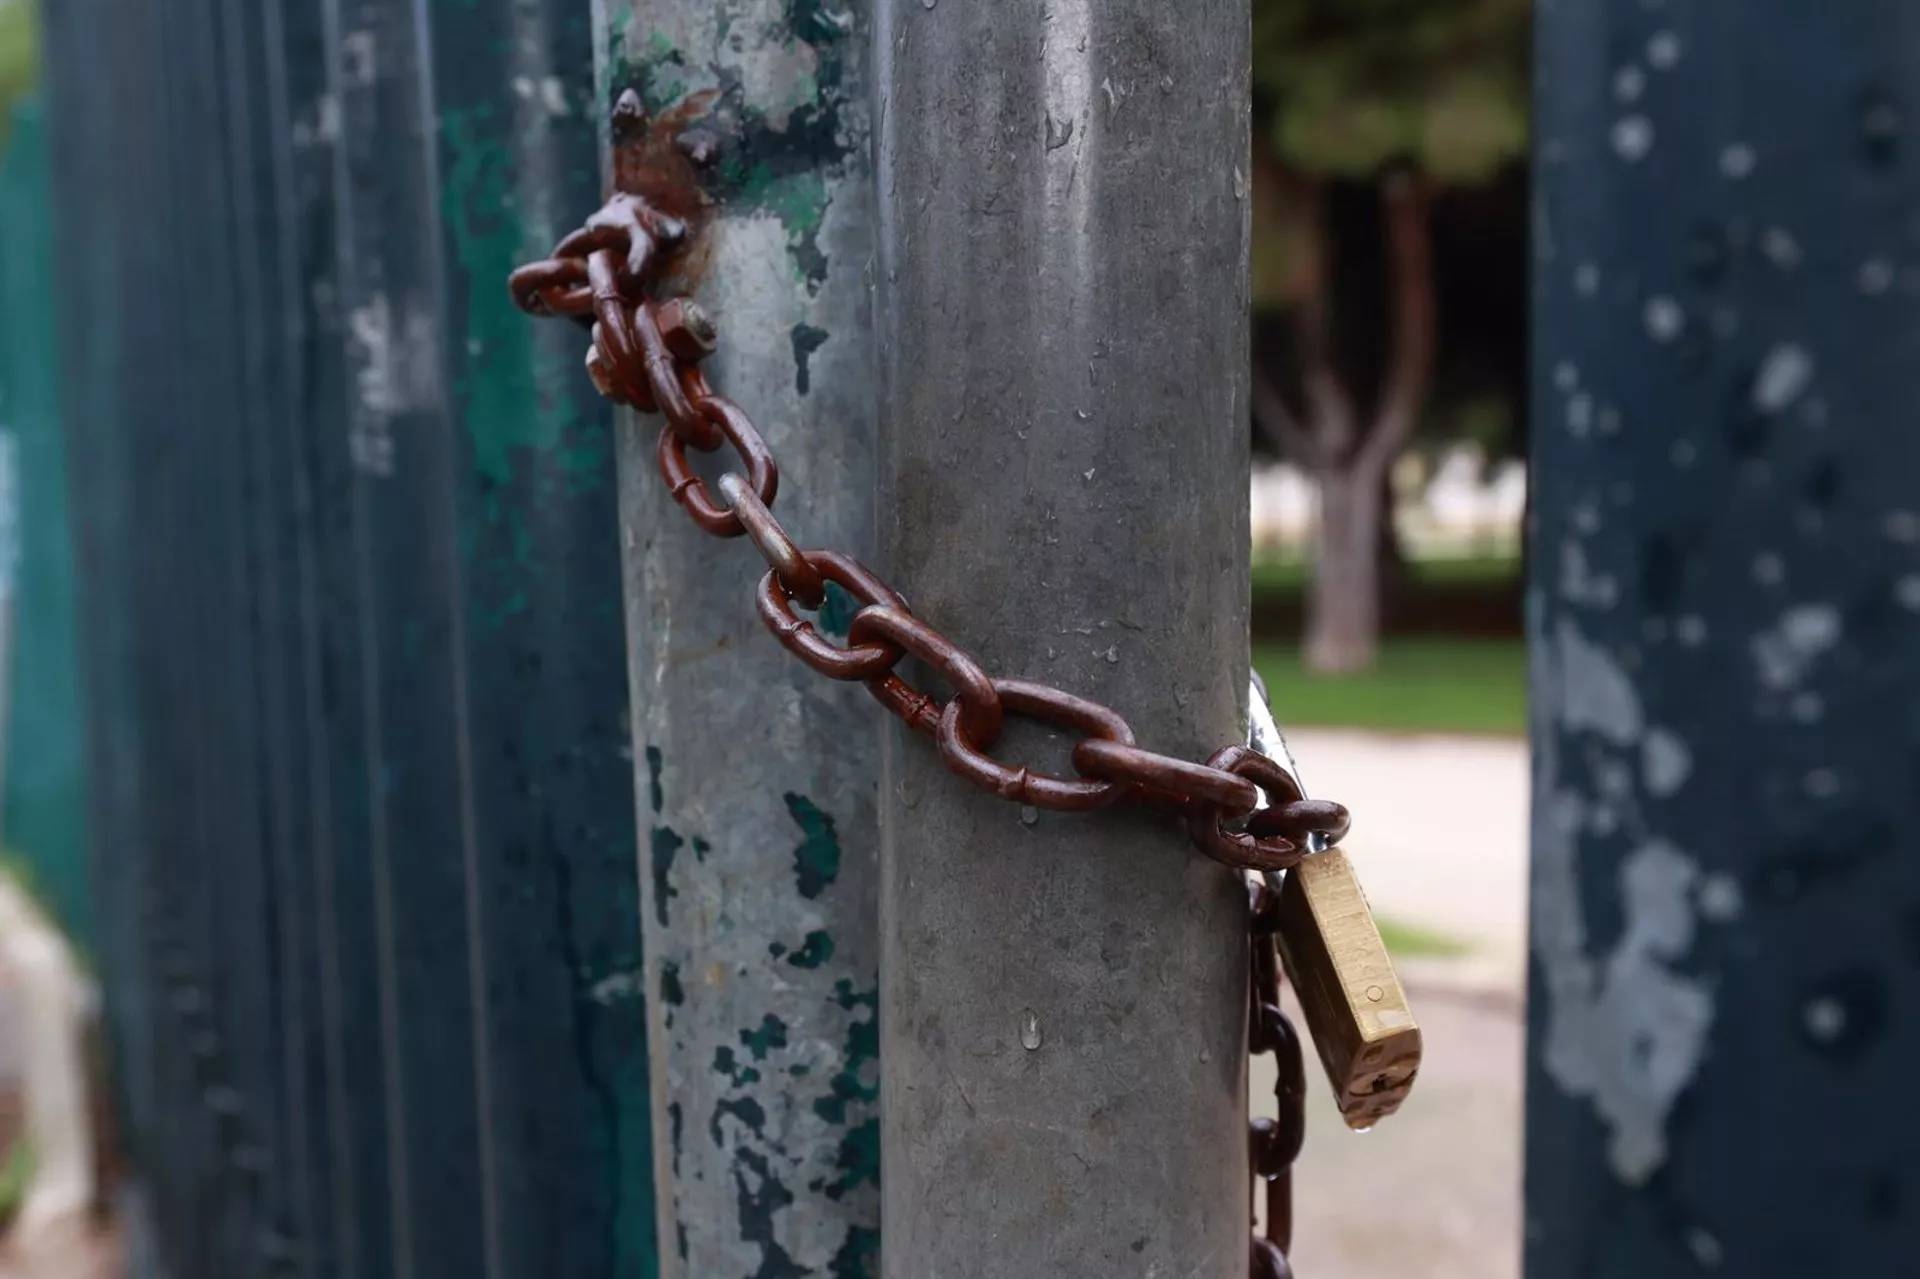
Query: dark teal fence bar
(360, 807)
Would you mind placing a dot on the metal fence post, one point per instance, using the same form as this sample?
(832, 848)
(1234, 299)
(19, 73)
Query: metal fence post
(1724, 618)
(353, 637)
(42, 804)
(1063, 328)
(758, 868)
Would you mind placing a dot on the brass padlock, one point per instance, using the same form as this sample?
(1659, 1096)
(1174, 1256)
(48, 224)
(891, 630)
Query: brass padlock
(1356, 1012)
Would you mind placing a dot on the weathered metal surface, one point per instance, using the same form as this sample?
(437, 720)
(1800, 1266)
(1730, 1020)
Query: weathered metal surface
(42, 803)
(759, 867)
(1062, 324)
(363, 803)
(553, 888)
(1723, 615)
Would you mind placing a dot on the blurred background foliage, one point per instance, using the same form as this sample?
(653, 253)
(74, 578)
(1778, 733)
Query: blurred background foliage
(19, 54)
(1389, 285)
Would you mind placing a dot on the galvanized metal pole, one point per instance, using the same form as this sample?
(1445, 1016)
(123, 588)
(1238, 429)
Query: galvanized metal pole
(1724, 617)
(759, 869)
(1063, 232)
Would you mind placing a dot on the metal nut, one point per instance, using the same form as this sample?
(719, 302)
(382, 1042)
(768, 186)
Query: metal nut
(686, 329)
(598, 370)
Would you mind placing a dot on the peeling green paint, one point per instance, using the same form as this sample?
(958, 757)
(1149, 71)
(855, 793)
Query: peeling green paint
(817, 860)
(760, 1195)
(814, 951)
(505, 388)
(859, 1255)
(745, 1109)
(770, 1034)
(781, 154)
(737, 1071)
(654, 764)
(666, 845)
(806, 340)
(862, 1050)
(858, 1160)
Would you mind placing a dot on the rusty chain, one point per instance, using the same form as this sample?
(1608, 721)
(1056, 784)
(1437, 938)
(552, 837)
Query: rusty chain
(1240, 806)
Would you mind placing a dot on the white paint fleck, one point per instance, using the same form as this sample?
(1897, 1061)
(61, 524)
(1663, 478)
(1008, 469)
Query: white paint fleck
(1769, 569)
(1875, 276)
(1737, 160)
(1664, 318)
(1704, 1247)
(1029, 1029)
(1720, 898)
(523, 88)
(1663, 51)
(1691, 631)
(1807, 708)
(1825, 1018)
(1595, 693)
(1784, 654)
(1613, 780)
(1626, 1030)
(1821, 783)
(1780, 247)
(1586, 279)
(1665, 761)
(1565, 376)
(1580, 413)
(553, 96)
(1629, 82)
(1632, 137)
(1907, 591)
(359, 58)
(618, 986)
(1784, 374)
(1900, 526)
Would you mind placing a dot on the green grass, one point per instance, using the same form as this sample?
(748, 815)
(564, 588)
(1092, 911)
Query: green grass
(16, 1179)
(1411, 941)
(1289, 575)
(1419, 685)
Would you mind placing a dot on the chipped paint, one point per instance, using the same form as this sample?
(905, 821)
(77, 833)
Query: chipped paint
(816, 860)
(1626, 1026)
(771, 795)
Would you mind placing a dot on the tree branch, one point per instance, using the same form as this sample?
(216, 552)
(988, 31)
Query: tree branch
(1410, 371)
(1279, 423)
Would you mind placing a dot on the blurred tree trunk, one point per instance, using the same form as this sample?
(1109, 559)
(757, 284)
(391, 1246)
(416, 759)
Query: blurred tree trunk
(1348, 457)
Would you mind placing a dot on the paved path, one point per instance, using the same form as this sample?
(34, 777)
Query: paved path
(1434, 1192)
(1420, 859)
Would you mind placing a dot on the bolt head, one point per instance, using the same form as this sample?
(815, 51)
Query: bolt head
(629, 114)
(686, 329)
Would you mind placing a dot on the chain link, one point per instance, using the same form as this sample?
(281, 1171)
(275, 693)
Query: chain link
(646, 353)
